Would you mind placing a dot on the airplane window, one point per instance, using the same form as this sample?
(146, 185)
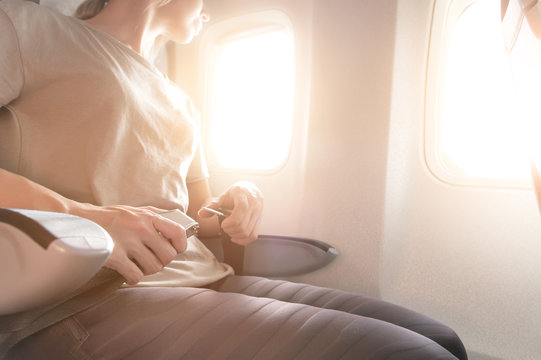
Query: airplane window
(480, 136)
(250, 98)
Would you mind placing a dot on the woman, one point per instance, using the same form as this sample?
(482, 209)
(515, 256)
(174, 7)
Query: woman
(87, 122)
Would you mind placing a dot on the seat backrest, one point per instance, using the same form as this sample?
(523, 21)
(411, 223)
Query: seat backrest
(66, 7)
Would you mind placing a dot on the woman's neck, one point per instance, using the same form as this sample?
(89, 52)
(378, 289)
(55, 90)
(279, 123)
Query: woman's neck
(130, 22)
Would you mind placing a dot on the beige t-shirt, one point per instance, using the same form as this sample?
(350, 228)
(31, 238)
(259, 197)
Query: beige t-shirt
(89, 118)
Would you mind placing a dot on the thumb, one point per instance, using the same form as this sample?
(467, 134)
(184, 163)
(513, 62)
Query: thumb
(207, 211)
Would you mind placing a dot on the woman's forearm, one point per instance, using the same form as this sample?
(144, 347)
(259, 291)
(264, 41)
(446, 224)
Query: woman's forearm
(144, 242)
(200, 195)
(18, 192)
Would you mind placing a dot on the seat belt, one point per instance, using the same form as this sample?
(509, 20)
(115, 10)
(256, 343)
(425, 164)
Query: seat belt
(233, 253)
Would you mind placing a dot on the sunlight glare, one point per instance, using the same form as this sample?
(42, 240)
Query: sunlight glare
(251, 102)
(483, 132)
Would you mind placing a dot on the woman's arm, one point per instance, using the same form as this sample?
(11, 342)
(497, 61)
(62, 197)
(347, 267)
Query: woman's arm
(199, 195)
(243, 198)
(144, 242)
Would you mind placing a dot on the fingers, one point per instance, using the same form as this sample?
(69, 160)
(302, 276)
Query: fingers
(239, 224)
(247, 203)
(144, 241)
(160, 241)
(146, 259)
(171, 231)
(124, 266)
(205, 213)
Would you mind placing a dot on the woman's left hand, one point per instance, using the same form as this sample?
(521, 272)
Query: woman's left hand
(245, 201)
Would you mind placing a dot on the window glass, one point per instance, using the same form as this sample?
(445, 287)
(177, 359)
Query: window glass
(250, 99)
(480, 135)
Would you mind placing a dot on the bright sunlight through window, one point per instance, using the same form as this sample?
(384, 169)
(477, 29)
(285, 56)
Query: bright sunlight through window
(480, 134)
(251, 100)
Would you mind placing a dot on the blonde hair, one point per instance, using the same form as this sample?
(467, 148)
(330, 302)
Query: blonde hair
(89, 8)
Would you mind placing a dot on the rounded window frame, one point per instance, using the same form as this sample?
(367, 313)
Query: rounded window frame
(238, 27)
(444, 17)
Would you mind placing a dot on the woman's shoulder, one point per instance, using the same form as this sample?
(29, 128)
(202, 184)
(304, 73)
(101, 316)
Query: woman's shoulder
(30, 18)
(40, 30)
(16, 9)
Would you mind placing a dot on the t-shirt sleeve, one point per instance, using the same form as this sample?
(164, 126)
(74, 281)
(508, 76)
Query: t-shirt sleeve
(11, 72)
(198, 168)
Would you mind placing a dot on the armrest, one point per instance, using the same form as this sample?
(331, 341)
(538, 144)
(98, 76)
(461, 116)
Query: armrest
(273, 256)
(279, 256)
(45, 256)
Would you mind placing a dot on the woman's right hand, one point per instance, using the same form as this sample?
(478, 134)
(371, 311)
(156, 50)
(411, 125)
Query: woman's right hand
(144, 241)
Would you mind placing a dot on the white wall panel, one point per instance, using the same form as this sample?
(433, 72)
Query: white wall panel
(468, 256)
(357, 179)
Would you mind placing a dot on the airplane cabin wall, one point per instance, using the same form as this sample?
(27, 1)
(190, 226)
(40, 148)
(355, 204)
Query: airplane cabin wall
(465, 255)
(343, 201)
(357, 178)
(333, 185)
